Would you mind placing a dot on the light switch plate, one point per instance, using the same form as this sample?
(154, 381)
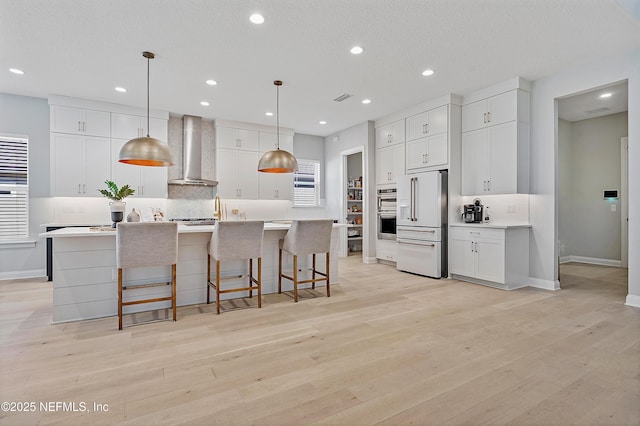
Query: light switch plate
(613, 207)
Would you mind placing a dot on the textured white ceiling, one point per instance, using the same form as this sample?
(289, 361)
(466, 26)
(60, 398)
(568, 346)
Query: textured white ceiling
(587, 105)
(86, 48)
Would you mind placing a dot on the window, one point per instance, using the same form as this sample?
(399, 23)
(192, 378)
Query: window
(14, 188)
(306, 184)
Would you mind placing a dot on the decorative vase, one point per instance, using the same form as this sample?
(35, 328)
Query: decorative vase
(134, 216)
(117, 211)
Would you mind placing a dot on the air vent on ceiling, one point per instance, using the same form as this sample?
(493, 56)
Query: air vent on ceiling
(597, 110)
(343, 97)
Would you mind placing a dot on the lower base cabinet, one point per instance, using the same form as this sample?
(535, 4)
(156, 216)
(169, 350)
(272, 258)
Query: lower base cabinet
(498, 257)
(387, 250)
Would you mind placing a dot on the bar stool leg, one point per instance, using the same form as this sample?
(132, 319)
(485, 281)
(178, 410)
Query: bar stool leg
(259, 282)
(279, 271)
(250, 276)
(173, 290)
(295, 277)
(328, 267)
(208, 276)
(119, 298)
(313, 272)
(218, 287)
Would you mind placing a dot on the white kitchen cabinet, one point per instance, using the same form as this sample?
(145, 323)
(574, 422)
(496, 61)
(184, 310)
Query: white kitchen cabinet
(227, 137)
(148, 182)
(427, 123)
(269, 142)
(128, 126)
(275, 186)
(237, 173)
(387, 250)
(493, 256)
(390, 134)
(79, 165)
(495, 160)
(509, 106)
(389, 164)
(427, 152)
(79, 121)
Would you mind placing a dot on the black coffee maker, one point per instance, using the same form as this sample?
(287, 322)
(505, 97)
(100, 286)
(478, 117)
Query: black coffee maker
(472, 213)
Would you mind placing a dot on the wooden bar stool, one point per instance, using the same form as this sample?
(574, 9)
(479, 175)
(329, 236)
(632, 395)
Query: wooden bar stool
(146, 244)
(303, 238)
(236, 241)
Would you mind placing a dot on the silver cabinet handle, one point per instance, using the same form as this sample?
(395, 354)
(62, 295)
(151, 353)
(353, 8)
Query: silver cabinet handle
(426, 126)
(427, 158)
(471, 246)
(79, 189)
(489, 117)
(79, 127)
(485, 184)
(84, 188)
(84, 126)
(476, 247)
(488, 185)
(484, 120)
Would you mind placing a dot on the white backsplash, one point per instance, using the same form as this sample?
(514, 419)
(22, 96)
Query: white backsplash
(507, 209)
(269, 210)
(95, 210)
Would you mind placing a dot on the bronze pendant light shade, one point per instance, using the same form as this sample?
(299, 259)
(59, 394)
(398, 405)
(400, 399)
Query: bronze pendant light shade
(278, 160)
(146, 151)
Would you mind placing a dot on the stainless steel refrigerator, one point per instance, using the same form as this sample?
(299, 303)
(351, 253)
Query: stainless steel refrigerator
(421, 229)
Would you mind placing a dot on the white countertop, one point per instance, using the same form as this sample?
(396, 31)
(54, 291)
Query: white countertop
(182, 229)
(494, 225)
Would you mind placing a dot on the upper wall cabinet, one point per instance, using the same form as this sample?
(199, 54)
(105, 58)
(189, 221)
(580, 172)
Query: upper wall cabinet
(510, 106)
(427, 141)
(78, 121)
(390, 134)
(428, 123)
(269, 142)
(246, 140)
(127, 126)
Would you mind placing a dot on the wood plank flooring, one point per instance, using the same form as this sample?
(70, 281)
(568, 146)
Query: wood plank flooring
(386, 348)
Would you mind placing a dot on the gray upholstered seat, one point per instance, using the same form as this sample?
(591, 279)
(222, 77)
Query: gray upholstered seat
(146, 244)
(306, 237)
(234, 241)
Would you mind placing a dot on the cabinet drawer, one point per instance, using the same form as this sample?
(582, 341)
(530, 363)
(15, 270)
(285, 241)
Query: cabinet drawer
(418, 233)
(466, 232)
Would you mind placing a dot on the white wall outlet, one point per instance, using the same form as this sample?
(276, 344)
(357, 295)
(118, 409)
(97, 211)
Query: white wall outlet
(511, 208)
(614, 207)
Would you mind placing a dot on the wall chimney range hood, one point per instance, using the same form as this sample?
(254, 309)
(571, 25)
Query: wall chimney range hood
(192, 154)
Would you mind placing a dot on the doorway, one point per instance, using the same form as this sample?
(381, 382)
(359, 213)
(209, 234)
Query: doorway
(591, 176)
(354, 203)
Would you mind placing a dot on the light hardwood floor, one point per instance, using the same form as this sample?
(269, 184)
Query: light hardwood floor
(387, 348)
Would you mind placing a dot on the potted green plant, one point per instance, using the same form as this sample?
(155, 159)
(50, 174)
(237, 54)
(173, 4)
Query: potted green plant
(116, 194)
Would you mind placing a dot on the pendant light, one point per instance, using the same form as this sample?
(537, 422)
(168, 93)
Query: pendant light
(278, 160)
(146, 151)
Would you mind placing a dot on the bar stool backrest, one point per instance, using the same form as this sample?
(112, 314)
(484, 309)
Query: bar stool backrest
(237, 240)
(308, 237)
(146, 244)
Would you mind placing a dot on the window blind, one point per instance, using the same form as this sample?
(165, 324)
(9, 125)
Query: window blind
(306, 184)
(14, 188)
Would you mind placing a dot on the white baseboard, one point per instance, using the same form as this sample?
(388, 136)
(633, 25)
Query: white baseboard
(17, 275)
(633, 300)
(544, 284)
(591, 260)
(369, 260)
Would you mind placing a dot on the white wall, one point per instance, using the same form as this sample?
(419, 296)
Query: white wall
(587, 225)
(26, 116)
(309, 147)
(544, 162)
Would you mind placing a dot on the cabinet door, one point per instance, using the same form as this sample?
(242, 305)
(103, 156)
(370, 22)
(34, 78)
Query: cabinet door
(67, 165)
(384, 165)
(269, 142)
(437, 150)
(227, 172)
(124, 174)
(503, 108)
(66, 119)
(417, 151)
(437, 121)
(268, 185)
(126, 126)
(474, 116)
(503, 159)
(490, 257)
(416, 126)
(285, 186)
(397, 162)
(96, 123)
(475, 162)
(390, 134)
(226, 137)
(97, 164)
(248, 174)
(248, 140)
(462, 257)
(158, 128)
(153, 182)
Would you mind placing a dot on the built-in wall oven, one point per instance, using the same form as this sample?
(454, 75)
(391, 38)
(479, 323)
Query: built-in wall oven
(387, 214)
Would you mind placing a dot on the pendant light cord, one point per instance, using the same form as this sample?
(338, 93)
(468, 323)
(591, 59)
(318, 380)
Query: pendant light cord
(278, 114)
(148, 60)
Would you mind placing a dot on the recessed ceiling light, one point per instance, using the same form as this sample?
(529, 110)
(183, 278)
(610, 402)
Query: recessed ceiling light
(16, 71)
(268, 114)
(256, 18)
(427, 72)
(121, 89)
(356, 50)
(366, 101)
(323, 122)
(606, 95)
(205, 103)
(212, 82)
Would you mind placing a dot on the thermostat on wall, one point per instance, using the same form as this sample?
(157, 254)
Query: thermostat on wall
(610, 194)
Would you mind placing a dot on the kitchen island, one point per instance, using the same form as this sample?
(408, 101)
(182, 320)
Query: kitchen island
(85, 284)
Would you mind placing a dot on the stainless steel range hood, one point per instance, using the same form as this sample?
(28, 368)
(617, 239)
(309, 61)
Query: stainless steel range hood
(192, 154)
